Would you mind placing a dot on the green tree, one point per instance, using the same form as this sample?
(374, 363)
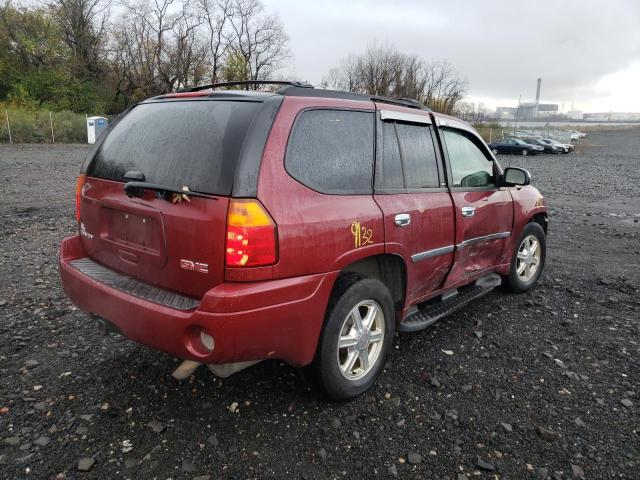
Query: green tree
(236, 68)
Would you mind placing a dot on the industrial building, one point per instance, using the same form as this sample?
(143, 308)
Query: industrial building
(529, 110)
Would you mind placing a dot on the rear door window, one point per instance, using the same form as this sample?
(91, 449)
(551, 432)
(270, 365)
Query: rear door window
(192, 144)
(389, 172)
(418, 156)
(407, 158)
(331, 151)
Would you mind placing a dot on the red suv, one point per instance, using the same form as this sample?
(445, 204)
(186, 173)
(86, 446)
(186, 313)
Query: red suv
(229, 226)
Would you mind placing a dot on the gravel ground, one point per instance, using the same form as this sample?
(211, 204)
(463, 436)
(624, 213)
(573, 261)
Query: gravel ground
(544, 384)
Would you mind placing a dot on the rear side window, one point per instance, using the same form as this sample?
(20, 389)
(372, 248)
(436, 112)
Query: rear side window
(389, 174)
(331, 151)
(407, 158)
(418, 156)
(178, 144)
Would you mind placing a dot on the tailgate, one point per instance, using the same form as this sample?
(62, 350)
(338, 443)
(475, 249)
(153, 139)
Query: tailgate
(177, 246)
(168, 240)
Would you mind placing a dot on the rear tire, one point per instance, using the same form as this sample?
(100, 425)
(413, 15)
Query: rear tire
(349, 358)
(524, 152)
(528, 259)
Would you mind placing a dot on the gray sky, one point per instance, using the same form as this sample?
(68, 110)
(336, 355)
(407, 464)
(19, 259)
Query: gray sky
(587, 52)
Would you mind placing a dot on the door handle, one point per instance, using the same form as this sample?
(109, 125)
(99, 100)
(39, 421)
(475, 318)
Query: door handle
(468, 211)
(402, 219)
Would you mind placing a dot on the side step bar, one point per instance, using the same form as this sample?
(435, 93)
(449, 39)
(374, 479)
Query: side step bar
(450, 302)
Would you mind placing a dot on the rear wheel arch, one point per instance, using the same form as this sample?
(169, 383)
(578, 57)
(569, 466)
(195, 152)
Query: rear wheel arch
(390, 269)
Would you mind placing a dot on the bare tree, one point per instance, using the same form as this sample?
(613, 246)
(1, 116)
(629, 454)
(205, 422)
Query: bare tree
(83, 23)
(164, 45)
(444, 86)
(385, 71)
(345, 77)
(258, 39)
(217, 15)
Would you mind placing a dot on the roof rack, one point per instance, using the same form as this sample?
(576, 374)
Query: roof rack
(292, 91)
(293, 88)
(247, 83)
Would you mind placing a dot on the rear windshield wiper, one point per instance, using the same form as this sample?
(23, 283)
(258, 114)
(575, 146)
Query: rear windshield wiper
(136, 189)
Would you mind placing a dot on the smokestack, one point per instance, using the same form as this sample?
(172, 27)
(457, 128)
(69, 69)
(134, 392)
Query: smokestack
(538, 91)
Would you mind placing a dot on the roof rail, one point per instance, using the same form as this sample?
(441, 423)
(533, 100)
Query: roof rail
(293, 91)
(245, 83)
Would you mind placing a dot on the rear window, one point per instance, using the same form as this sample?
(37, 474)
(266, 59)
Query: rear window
(178, 144)
(331, 151)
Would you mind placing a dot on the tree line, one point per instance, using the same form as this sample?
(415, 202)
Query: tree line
(100, 56)
(95, 55)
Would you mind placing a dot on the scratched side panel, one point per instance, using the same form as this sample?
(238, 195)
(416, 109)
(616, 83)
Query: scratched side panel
(317, 232)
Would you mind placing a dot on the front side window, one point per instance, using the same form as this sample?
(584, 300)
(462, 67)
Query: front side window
(469, 165)
(331, 151)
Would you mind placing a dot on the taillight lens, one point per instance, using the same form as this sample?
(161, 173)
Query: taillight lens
(251, 235)
(79, 185)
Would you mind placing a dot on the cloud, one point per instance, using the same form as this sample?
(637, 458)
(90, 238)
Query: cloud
(501, 46)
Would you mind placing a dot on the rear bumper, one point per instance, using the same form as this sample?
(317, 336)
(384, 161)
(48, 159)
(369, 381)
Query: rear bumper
(248, 321)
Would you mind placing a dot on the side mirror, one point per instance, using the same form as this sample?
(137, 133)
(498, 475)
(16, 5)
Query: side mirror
(516, 176)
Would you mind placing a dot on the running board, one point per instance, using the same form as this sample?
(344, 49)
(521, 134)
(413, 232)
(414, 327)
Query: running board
(450, 302)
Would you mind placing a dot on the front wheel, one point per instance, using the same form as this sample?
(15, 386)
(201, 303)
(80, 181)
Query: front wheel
(528, 259)
(524, 152)
(357, 335)
(495, 151)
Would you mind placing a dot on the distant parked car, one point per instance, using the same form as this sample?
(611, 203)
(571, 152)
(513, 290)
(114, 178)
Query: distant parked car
(564, 147)
(515, 145)
(548, 148)
(579, 134)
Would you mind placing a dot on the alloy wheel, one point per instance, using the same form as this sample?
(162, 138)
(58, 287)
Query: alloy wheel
(528, 258)
(361, 339)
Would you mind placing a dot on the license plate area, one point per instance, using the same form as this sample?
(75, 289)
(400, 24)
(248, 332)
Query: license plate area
(140, 232)
(135, 235)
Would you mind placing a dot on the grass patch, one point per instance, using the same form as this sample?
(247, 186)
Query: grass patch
(31, 125)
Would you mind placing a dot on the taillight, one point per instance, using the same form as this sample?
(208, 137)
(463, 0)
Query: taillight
(79, 185)
(251, 235)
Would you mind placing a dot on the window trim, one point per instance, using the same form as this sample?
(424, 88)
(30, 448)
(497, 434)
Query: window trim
(332, 108)
(396, 116)
(466, 132)
(442, 187)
